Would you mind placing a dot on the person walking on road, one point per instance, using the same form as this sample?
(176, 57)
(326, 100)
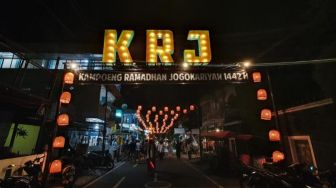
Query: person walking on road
(178, 149)
(160, 150)
(189, 150)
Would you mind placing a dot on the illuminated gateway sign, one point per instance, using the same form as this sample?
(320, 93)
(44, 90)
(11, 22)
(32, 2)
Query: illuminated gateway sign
(159, 50)
(155, 53)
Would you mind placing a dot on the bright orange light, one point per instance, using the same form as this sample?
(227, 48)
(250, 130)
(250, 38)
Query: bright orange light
(278, 156)
(69, 78)
(274, 135)
(261, 94)
(256, 77)
(65, 97)
(63, 120)
(55, 167)
(59, 142)
(266, 114)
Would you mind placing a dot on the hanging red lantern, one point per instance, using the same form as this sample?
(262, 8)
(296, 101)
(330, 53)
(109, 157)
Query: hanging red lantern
(149, 112)
(172, 112)
(277, 156)
(266, 114)
(178, 108)
(55, 167)
(166, 109)
(185, 111)
(261, 94)
(256, 77)
(63, 120)
(69, 78)
(192, 107)
(65, 97)
(153, 108)
(59, 142)
(274, 135)
(161, 112)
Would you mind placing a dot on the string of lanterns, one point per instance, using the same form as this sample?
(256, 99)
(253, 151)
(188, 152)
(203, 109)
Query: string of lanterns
(160, 121)
(266, 115)
(62, 120)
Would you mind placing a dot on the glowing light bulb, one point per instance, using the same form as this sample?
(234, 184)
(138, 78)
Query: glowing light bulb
(125, 54)
(111, 35)
(152, 34)
(122, 48)
(111, 41)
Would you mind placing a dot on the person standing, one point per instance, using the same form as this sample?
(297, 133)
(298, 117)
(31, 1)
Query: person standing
(137, 150)
(160, 150)
(178, 149)
(189, 150)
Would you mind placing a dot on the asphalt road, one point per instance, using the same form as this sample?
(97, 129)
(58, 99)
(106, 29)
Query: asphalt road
(173, 172)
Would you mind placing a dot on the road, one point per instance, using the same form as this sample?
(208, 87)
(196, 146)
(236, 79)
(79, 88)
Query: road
(173, 172)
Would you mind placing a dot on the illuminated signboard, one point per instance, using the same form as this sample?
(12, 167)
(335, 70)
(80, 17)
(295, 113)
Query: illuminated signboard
(169, 76)
(155, 52)
(159, 51)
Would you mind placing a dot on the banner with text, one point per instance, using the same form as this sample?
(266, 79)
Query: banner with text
(161, 76)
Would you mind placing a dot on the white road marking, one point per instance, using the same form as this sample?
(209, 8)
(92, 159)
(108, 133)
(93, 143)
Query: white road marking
(119, 182)
(200, 172)
(94, 181)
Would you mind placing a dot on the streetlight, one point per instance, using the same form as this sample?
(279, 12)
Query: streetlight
(185, 65)
(74, 66)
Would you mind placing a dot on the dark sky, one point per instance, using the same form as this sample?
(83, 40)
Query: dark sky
(265, 30)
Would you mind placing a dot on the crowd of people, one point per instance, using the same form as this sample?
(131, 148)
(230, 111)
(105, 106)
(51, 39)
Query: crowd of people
(137, 149)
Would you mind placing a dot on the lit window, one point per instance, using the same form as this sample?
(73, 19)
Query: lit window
(6, 64)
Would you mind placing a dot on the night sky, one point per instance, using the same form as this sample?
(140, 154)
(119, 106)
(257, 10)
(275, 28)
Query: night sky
(262, 31)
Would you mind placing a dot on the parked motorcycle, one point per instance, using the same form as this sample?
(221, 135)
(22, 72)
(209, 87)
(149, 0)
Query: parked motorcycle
(99, 159)
(302, 175)
(329, 176)
(259, 178)
(33, 179)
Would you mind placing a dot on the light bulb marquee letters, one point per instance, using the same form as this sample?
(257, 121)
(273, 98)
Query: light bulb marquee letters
(159, 51)
(156, 53)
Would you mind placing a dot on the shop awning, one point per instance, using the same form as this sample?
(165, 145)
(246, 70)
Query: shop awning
(219, 134)
(226, 134)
